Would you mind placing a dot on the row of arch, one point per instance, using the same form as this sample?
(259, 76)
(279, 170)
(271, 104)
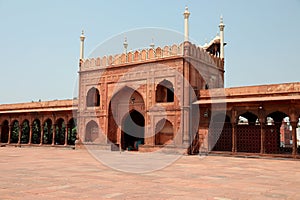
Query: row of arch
(59, 132)
(164, 131)
(272, 135)
(164, 93)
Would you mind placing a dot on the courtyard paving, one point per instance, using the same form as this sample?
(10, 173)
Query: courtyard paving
(61, 173)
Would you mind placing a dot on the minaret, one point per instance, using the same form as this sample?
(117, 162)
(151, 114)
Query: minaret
(221, 26)
(82, 37)
(186, 15)
(125, 44)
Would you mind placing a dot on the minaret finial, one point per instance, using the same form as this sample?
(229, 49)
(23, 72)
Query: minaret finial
(186, 15)
(221, 19)
(152, 45)
(125, 44)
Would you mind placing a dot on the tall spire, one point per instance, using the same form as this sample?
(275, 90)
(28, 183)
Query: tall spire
(221, 26)
(186, 15)
(125, 44)
(82, 37)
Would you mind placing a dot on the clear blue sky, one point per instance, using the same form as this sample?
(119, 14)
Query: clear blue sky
(40, 39)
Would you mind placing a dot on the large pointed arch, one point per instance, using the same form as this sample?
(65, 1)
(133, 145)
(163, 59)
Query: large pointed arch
(120, 105)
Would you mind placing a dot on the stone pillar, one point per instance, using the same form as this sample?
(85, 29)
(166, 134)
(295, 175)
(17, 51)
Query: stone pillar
(186, 97)
(294, 137)
(233, 125)
(53, 134)
(30, 133)
(293, 122)
(66, 135)
(262, 121)
(262, 137)
(234, 138)
(148, 139)
(119, 138)
(20, 134)
(9, 133)
(42, 135)
(0, 133)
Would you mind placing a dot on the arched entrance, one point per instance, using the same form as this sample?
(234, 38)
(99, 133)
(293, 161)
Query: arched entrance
(220, 133)
(125, 119)
(278, 134)
(48, 132)
(25, 129)
(248, 133)
(4, 132)
(72, 132)
(36, 132)
(133, 131)
(60, 132)
(15, 131)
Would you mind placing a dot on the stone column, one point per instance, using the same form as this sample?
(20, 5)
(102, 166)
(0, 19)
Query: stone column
(20, 134)
(53, 134)
(294, 138)
(9, 133)
(233, 125)
(186, 97)
(66, 135)
(30, 133)
(42, 135)
(234, 138)
(152, 130)
(262, 137)
(119, 138)
(262, 121)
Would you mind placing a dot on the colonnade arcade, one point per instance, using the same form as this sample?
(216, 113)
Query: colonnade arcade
(270, 129)
(57, 129)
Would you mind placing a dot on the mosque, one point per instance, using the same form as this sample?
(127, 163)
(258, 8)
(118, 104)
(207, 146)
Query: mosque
(170, 98)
